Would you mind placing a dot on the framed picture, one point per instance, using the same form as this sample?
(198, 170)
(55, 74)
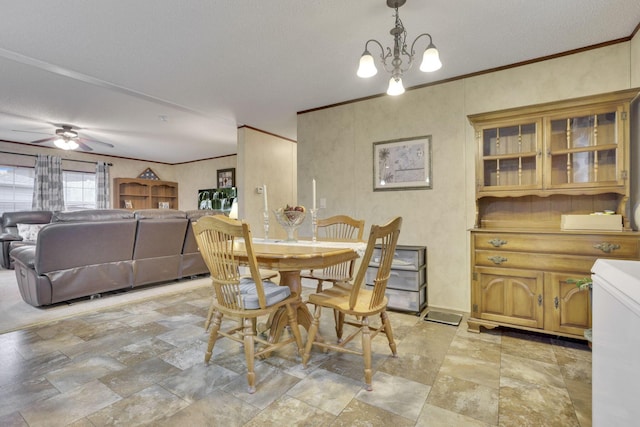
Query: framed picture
(128, 204)
(402, 164)
(226, 178)
(163, 205)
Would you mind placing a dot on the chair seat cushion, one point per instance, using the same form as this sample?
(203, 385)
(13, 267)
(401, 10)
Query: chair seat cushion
(273, 293)
(337, 298)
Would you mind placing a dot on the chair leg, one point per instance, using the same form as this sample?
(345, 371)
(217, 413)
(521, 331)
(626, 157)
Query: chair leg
(311, 335)
(209, 315)
(213, 335)
(339, 322)
(366, 352)
(384, 317)
(319, 286)
(249, 354)
(293, 325)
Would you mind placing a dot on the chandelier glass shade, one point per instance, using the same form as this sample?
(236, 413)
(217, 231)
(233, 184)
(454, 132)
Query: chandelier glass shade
(430, 58)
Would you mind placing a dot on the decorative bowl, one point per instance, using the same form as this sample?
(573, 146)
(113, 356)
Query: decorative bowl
(290, 220)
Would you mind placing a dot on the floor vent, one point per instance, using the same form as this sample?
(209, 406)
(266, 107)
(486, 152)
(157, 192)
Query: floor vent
(446, 318)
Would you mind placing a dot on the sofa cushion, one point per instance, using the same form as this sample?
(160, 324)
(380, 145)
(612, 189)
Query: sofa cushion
(10, 220)
(92, 215)
(159, 214)
(29, 232)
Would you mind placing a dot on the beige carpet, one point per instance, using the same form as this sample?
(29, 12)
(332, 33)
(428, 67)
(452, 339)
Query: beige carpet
(16, 314)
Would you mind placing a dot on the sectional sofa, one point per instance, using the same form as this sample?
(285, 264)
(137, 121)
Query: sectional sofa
(83, 253)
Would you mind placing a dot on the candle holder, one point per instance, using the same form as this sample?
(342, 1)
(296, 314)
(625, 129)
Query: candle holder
(265, 224)
(314, 224)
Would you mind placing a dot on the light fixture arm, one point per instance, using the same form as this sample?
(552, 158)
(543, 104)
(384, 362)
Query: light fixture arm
(383, 56)
(413, 52)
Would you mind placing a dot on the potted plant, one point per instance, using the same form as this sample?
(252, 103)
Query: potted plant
(585, 284)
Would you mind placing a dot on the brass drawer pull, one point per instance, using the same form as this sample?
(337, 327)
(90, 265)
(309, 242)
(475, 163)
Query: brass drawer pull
(497, 242)
(607, 248)
(497, 259)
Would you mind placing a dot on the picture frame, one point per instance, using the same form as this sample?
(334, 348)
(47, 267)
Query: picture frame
(226, 178)
(128, 204)
(163, 205)
(402, 164)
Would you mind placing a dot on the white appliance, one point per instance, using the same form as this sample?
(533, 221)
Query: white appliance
(616, 343)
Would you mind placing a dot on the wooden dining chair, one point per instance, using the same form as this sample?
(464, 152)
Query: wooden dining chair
(336, 228)
(241, 298)
(359, 304)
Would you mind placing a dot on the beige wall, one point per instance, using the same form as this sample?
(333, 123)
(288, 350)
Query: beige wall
(335, 147)
(635, 60)
(201, 175)
(265, 159)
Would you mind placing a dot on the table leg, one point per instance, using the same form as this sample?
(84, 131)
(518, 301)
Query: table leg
(279, 320)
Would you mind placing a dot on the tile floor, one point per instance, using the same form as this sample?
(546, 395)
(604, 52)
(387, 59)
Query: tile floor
(142, 364)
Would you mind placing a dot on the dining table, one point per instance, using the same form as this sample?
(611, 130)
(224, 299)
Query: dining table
(289, 259)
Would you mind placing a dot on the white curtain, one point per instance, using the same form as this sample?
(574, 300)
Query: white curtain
(48, 188)
(102, 185)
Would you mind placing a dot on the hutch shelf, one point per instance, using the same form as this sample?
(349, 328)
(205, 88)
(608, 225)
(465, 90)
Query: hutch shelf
(533, 165)
(138, 193)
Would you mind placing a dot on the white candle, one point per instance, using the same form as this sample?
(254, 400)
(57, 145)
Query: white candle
(264, 194)
(314, 193)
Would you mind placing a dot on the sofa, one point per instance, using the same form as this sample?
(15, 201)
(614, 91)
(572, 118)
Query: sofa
(90, 252)
(10, 237)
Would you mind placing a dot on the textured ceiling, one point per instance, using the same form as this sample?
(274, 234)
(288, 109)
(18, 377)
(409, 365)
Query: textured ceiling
(114, 68)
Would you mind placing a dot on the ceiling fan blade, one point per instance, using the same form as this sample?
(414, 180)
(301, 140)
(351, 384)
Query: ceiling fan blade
(39, 141)
(83, 146)
(30, 131)
(94, 141)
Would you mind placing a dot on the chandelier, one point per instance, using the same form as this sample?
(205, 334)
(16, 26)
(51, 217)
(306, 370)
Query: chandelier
(430, 57)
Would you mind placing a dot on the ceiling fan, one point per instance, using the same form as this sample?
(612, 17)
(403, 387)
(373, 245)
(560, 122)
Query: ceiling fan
(67, 138)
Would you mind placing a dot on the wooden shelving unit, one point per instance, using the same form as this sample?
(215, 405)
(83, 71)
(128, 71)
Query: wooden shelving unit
(138, 193)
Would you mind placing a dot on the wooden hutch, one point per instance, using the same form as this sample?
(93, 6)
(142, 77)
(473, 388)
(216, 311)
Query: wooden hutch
(534, 165)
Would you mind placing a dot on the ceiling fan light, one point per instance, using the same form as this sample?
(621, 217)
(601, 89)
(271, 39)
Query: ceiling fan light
(430, 59)
(367, 67)
(65, 144)
(395, 86)
(60, 143)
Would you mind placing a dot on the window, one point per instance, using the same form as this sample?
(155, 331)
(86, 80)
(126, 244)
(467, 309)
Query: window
(16, 189)
(79, 190)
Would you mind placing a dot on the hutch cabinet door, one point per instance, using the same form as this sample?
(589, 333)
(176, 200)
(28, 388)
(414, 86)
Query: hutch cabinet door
(509, 156)
(567, 308)
(508, 296)
(584, 149)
